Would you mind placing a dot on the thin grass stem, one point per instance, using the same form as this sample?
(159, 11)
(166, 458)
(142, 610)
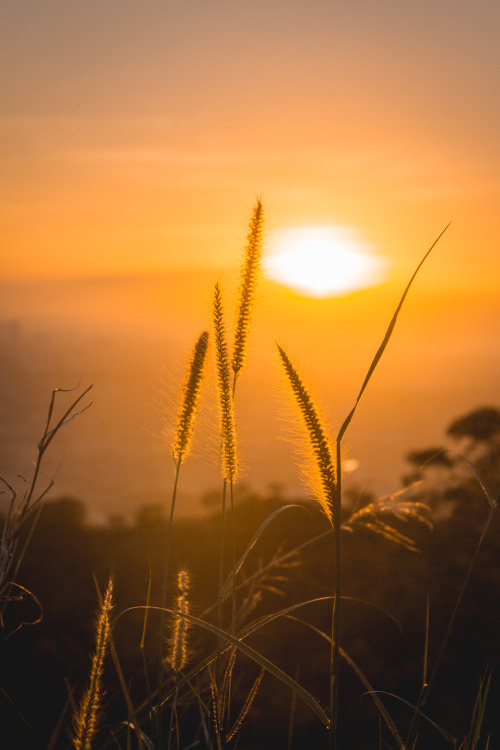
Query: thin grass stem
(425, 693)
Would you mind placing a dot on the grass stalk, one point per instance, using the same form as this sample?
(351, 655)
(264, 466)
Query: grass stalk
(85, 719)
(324, 463)
(333, 731)
(177, 652)
(166, 564)
(227, 431)
(180, 449)
(225, 393)
(335, 644)
(424, 696)
(249, 275)
(329, 497)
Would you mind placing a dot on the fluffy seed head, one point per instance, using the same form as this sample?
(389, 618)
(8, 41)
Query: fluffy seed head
(85, 718)
(323, 459)
(249, 273)
(190, 398)
(225, 395)
(177, 653)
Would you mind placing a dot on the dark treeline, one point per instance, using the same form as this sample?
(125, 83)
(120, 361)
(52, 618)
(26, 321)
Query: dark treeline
(44, 666)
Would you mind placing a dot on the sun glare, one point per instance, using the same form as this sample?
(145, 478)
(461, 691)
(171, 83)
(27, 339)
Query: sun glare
(322, 261)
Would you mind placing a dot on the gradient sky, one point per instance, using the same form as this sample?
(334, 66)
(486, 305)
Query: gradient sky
(135, 136)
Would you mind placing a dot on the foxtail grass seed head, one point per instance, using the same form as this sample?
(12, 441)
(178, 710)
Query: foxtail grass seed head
(85, 718)
(225, 395)
(323, 459)
(249, 274)
(190, 398)
(178, 643)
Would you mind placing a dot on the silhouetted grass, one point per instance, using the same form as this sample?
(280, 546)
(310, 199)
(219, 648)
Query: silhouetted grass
(209, 684)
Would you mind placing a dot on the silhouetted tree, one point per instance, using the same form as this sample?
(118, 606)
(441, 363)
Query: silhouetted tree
(482, 424)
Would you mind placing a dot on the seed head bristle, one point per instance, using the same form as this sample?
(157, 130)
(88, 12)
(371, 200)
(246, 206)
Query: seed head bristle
(190, 398)
(373, 515)
(178, 644)
(249, 274)
(246, 707)
(225, 395)
(318, 440)
(85, 718)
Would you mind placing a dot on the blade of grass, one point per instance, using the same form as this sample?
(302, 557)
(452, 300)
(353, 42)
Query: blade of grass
(226, 589)
(337, 503)
(248, 650)
(425, 695)
(387, 337)
(273, 669)
(364, 680)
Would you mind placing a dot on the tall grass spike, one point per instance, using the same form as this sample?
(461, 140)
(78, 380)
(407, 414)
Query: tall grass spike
(225, 395)
(86, 717)
(249, 274)
(190, 399)
(177, 654)
(318, 440)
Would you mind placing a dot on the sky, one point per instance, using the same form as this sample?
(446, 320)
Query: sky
(135, 137)
(134, 141)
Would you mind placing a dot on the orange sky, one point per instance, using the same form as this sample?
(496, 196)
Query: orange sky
(136, 137)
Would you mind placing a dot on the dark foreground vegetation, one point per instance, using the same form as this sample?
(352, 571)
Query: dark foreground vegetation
(388, 590)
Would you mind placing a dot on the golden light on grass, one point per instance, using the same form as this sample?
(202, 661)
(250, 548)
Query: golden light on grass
(323, 476)
(225, 393)
(323, 261)
(86, 716)
(177, 654)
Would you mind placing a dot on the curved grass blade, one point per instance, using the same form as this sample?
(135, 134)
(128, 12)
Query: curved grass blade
(273, 669)
(387, 337)
(364, 680)
(248, 651)
(226, 589)
(448, 737)
(247, 631)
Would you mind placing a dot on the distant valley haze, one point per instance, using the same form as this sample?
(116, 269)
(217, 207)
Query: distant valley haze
(131, 338)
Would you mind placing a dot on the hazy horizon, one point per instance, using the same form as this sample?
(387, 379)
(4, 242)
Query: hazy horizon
(115, 457)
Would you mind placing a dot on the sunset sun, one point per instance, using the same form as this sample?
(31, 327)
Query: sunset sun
(322, 261)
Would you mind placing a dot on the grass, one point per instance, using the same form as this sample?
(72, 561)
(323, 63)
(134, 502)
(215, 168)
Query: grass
(86, 716)
(227, 648)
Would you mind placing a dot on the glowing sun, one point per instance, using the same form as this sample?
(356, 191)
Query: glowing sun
(322, 261)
